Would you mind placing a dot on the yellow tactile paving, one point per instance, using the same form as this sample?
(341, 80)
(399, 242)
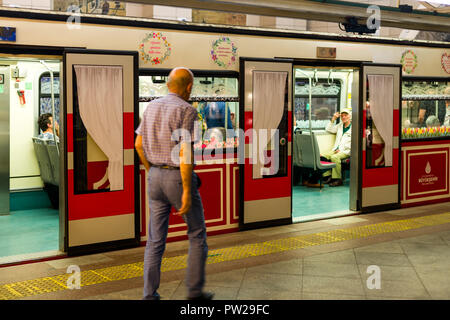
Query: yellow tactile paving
(89, 277)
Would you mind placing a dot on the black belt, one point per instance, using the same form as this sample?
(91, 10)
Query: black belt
(165, 167)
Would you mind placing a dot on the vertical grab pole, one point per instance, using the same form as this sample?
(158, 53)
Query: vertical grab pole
(53, 102)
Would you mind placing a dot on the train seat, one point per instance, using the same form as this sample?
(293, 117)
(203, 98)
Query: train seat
(309, 152)
(48, 160)
(52, 150)
(40, 148)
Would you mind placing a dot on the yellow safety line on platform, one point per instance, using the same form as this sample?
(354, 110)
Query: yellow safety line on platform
(34, 287)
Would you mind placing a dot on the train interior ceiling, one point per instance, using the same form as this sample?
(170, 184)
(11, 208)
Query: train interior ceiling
(30, 226)
(315, 193)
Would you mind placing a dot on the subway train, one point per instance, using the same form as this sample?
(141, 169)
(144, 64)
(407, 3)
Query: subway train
(84, 190)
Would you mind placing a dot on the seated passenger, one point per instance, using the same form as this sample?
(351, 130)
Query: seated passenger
(342, 146)
(45, 123)
(432, 121)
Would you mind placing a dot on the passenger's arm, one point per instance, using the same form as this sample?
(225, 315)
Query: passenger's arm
(140, 151)
(331, 127)
(186, 169)
(421, 116)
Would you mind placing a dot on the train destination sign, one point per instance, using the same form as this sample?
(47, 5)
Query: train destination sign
(7, 34)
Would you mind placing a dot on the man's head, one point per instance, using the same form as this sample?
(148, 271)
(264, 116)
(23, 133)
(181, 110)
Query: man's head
(45, 122)
(180, 82)
(346, 116)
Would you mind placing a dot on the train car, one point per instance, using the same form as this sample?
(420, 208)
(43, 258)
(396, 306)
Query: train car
(86, 191)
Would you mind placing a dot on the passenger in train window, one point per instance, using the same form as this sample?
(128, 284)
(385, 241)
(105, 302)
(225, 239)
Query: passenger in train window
(427, 108)
(432, 121)
(46, 125)
(214, 114)
(341, 148)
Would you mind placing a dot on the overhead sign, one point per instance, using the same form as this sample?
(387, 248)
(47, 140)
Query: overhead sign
(7, 34)
(324, 52)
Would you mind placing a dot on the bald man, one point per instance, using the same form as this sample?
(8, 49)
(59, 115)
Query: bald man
(164, 144)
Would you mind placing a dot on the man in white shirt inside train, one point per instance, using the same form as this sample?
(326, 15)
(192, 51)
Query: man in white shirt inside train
(341, 148)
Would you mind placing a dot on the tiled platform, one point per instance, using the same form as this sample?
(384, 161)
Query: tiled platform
(414, 264)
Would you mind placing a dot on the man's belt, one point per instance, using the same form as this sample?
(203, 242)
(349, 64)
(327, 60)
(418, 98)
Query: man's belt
(165, 167)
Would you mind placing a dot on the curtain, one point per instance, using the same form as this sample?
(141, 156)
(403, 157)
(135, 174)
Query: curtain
(101, 109)
(268, 107)
(381, 103)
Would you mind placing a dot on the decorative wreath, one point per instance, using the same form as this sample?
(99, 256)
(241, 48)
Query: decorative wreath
(402, 60)
(216, 45)
(445, 62)
(146, 56)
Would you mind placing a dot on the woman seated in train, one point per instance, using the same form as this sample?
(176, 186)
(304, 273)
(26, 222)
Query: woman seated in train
(341, 148)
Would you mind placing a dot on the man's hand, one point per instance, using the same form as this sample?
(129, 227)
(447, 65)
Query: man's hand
(140, 151)
(57, 128)
(335, 116)
(186, 168)
(186, 202)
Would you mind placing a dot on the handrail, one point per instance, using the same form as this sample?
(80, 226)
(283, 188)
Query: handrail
(53, 102)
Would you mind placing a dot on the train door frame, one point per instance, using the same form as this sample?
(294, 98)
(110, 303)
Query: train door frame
(356, 121)
(128, 240)
(265, 211)
(367, 180)
(41, 53)
(358, 132)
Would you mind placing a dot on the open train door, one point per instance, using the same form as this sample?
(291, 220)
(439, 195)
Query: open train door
(265, 157)
(100, 165)
(380, 106)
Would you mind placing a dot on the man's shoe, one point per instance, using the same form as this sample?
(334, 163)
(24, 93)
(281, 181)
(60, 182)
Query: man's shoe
(336, 183)
(313, 185)
(327, 180)
(203, 296)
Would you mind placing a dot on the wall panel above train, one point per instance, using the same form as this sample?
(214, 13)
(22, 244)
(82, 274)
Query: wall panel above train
(194, 48)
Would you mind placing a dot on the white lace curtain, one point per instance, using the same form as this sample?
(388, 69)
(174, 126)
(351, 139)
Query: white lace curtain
(268, 107)
(100, 102)
(381, 103)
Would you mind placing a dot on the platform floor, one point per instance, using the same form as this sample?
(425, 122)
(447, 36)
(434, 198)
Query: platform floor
(327, 259)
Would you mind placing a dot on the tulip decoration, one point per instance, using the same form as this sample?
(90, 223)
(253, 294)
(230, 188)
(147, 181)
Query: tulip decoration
(418, 133)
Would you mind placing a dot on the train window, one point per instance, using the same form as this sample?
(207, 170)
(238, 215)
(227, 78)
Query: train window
(325, 101)
(98, 129)
(45, 98)
(425, 108)
(379, 120)
(216, 100)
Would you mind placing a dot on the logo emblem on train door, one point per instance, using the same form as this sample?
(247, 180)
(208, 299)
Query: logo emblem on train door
(428, 168)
